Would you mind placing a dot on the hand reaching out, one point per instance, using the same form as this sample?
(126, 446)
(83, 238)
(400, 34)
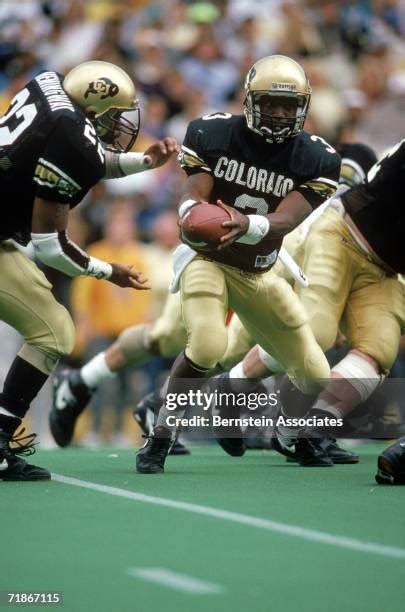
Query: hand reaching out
(126, 276)
(160, 152)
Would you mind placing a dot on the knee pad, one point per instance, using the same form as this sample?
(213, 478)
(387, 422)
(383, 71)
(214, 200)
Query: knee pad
(206, 345)
(360, 373)
(53, 341)
(134, 344)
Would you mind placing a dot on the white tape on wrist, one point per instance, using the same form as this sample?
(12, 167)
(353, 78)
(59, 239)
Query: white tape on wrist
(131, 163)
(98, 268)
(118, 165)
(185, 206)
(258, 228)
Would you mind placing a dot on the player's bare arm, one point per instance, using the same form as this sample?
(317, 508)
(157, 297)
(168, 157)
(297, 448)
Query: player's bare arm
(291, 211)
(198, 188)
(53, 247)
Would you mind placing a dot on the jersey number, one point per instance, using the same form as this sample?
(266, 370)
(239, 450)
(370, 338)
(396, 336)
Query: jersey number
(216, 116)
(27, 113)
(246, 201)
(91, 134)
(328, 148)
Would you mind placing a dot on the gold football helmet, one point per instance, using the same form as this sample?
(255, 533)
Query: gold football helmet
(104, 92)
(277, 99)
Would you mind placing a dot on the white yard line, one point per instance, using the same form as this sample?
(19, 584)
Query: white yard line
(312, 535)
(176, 581)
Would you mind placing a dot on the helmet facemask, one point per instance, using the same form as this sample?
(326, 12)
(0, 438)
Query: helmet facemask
(262, 110)
(116, 129)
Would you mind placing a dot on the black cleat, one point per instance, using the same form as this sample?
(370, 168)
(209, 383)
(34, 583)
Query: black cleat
(179, 448)
(151, 458)
(144, 414)
(234, 446)
(391, 464)
(70, 397)
(14, 468)
(308, 452)
(338, 454)
(145, 411)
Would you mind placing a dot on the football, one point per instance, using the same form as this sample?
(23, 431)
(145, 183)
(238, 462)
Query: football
(201, 226)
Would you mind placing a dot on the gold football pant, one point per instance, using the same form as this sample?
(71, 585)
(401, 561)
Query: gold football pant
(168, 331)
(345, 283)
(27, 305)
(267, 307)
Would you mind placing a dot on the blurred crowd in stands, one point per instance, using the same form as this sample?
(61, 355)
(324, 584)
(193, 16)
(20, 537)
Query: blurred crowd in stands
(187, 59)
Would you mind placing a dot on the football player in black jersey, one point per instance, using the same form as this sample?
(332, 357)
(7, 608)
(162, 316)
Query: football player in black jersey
(135, 345)
(357, 249)
(59, 137)
(269, 174)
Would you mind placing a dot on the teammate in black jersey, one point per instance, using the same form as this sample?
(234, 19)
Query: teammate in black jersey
(52, 151)
(269, 174)
(357, 248)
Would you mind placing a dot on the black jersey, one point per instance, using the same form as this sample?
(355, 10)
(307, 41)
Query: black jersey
(254, 176)
(49, 149)
(377, 210)
(357, 159)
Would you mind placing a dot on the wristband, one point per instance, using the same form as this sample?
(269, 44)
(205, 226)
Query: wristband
(98, 268)
(258, 228)
(185, 206)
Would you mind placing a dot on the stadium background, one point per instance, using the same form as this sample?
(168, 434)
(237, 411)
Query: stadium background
(187, 59)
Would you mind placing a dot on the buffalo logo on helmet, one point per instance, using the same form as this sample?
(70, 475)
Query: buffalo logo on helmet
(103, 86)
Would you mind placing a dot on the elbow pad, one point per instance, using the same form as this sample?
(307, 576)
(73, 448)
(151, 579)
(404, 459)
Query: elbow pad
(57, 251)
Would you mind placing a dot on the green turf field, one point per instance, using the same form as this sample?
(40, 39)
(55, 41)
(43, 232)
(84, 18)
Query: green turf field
(214, 533)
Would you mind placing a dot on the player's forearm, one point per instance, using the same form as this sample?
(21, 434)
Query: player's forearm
(289, 214)
(55, 250)
(118, 165)
(199, 187)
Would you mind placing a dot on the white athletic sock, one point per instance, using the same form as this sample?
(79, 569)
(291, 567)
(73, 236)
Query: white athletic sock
(96, 371)
(237, 371)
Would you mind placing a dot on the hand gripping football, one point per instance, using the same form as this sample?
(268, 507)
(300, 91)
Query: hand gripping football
(201, 226)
